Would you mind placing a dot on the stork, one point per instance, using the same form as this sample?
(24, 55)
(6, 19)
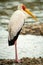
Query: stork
(15, 25)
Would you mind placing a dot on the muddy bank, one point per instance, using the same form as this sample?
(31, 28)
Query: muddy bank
(24, 61)
(35, 29)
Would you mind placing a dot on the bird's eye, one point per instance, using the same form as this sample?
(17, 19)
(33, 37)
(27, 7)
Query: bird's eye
(23, 7)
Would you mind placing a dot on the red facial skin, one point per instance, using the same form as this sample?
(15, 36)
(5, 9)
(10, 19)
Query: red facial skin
(23, 7)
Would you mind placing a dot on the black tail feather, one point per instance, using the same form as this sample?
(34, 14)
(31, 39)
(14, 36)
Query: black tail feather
(11, 42)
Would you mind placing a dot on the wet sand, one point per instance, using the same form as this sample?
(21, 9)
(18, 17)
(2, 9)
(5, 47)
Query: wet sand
(24, 61)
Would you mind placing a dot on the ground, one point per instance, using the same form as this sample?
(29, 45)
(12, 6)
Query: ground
(24, 61)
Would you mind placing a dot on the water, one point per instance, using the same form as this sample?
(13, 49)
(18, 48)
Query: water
(28, 45)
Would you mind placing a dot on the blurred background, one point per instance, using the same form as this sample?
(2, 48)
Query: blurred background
(7, 7)
(35, 46)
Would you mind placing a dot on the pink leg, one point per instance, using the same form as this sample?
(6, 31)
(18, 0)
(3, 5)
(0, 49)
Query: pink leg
(16, 55)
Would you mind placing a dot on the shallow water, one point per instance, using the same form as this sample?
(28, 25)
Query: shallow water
(28, 45)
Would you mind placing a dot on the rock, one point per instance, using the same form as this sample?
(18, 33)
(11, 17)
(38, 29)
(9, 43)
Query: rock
(35, 29)
(41, 30)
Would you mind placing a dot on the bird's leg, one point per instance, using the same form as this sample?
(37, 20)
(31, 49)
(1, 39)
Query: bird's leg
(16, 54)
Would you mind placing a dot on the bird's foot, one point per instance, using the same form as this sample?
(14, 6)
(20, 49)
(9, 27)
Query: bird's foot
(17, 61)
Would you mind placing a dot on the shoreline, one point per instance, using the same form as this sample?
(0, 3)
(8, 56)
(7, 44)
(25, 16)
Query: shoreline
(24, 61)
(34, 29)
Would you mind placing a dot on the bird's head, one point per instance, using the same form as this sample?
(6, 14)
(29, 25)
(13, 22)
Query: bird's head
(24, 8)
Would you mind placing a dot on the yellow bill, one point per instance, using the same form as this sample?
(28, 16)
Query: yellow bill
(30, 13)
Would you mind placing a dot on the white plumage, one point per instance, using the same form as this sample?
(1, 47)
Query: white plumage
(16, 23)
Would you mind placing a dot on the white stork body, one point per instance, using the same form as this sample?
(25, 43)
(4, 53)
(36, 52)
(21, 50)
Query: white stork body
(15, 25)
